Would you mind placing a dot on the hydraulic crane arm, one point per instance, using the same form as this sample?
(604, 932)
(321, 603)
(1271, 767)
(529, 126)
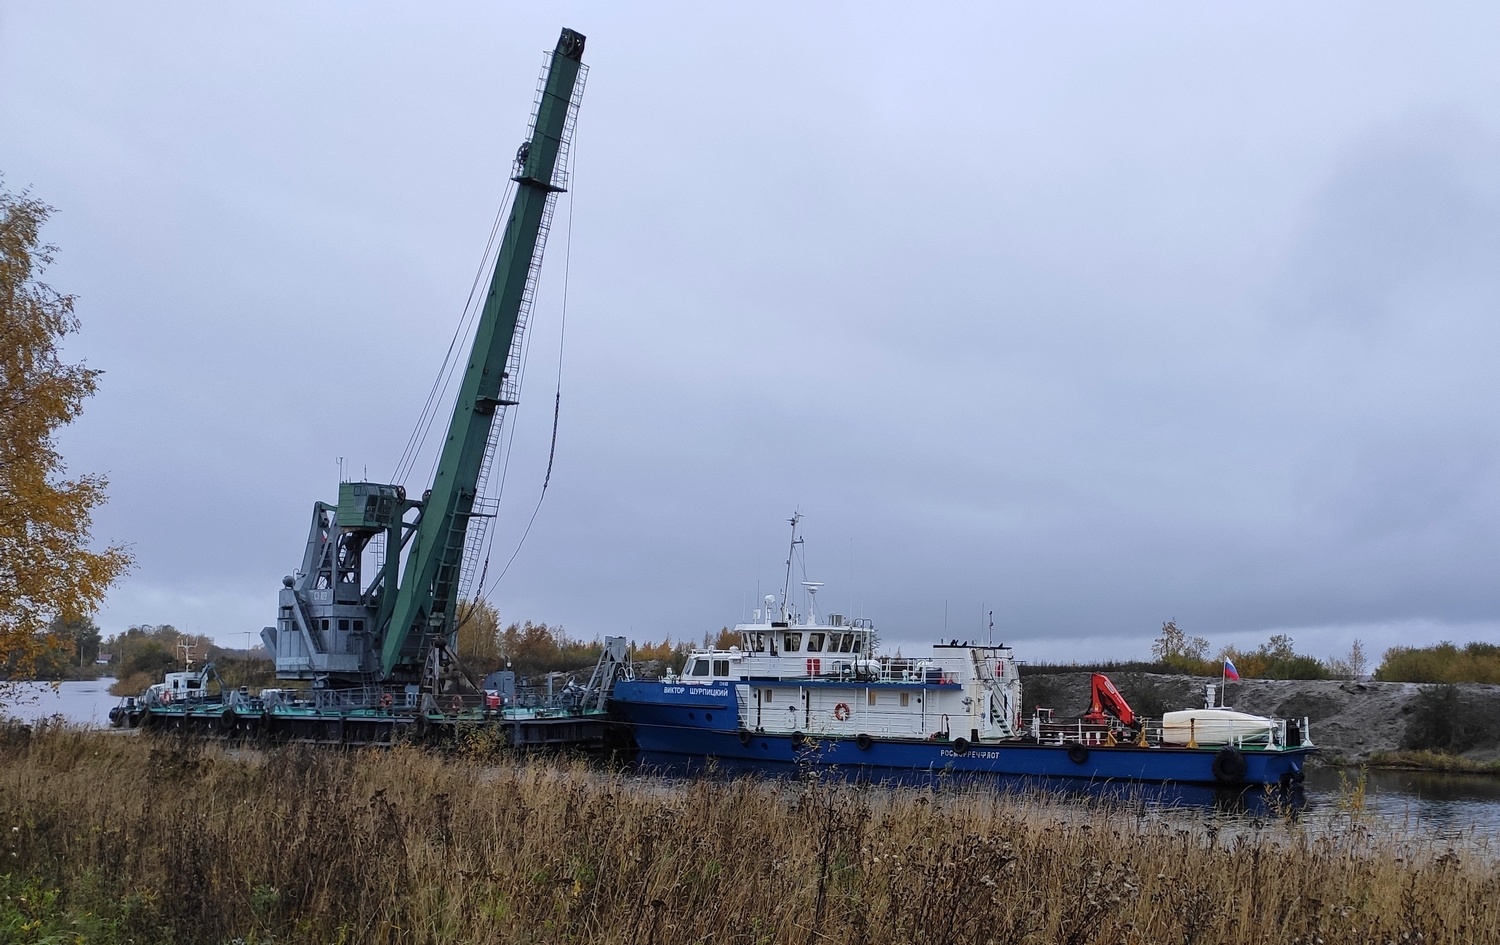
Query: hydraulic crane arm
(1105, 702)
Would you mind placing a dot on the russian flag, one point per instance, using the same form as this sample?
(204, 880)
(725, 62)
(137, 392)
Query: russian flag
(1230, 672)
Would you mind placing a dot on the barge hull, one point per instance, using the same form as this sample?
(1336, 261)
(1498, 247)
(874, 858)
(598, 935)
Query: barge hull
(589, 731)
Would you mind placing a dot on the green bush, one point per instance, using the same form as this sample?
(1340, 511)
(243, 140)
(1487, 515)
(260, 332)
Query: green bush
(1444, 663)
(1443, 720)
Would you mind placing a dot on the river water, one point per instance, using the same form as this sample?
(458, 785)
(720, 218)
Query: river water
(82, 702)
(1432, 805)
(1443, 807)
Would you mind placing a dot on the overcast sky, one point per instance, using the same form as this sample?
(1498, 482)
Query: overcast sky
(1089, 315)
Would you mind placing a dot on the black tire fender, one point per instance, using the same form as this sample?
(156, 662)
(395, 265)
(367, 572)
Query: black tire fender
(798, 739)
(1077, 753)
(227, 720)
(960, 746)
(1229, 765)
(863, 741)
(744, 736)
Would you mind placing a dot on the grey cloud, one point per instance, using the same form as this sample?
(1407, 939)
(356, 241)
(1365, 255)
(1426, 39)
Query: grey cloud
(1089, 324)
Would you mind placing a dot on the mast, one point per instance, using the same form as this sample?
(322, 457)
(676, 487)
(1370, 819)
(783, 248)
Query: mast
(423, 609)
(791, 552)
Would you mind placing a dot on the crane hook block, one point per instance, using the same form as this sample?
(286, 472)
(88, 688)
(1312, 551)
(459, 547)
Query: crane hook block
(570, 44)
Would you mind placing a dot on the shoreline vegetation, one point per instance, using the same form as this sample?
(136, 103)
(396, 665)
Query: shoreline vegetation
(191, 843)
(1423, 761)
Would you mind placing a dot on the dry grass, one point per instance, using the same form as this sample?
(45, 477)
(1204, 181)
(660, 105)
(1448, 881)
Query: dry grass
(192, 843)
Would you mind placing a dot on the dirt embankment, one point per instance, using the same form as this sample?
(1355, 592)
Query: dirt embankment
(1350, 720)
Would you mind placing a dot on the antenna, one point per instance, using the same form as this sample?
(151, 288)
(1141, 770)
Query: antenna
(786, 588)
(187, 655)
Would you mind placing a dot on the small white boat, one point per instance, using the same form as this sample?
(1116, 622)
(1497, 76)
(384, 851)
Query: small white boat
(1208, 727)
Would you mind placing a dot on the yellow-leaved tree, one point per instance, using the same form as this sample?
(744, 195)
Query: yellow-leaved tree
(49, 573)
(478, 643)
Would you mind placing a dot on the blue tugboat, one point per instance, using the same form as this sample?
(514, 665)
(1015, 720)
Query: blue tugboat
(798, 693)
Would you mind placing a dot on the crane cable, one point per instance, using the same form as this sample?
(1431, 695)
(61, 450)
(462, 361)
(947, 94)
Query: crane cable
(440, 383)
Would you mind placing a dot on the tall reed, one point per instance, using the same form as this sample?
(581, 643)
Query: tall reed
(188, 842)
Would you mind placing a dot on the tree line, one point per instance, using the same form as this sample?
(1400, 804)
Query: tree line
(143, 654)
(530, 648)
(1175, 651)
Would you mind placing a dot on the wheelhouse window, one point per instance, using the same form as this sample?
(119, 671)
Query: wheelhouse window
(721, 667)
(700, 667)
(815, 643)
(793, 642)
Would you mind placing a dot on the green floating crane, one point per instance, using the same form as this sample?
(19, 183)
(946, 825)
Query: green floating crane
(332, 627)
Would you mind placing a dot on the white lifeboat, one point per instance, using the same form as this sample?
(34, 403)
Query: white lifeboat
(1210, 727)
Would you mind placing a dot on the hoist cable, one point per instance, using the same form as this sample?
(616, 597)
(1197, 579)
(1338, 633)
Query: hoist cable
(440, 383)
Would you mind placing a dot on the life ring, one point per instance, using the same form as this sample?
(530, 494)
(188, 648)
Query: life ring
(744, 736)
(386, 701)
(960, 746)
(1077, 753)
(1229, 765)
(863, 741)
(166, 695)
(841, 711)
